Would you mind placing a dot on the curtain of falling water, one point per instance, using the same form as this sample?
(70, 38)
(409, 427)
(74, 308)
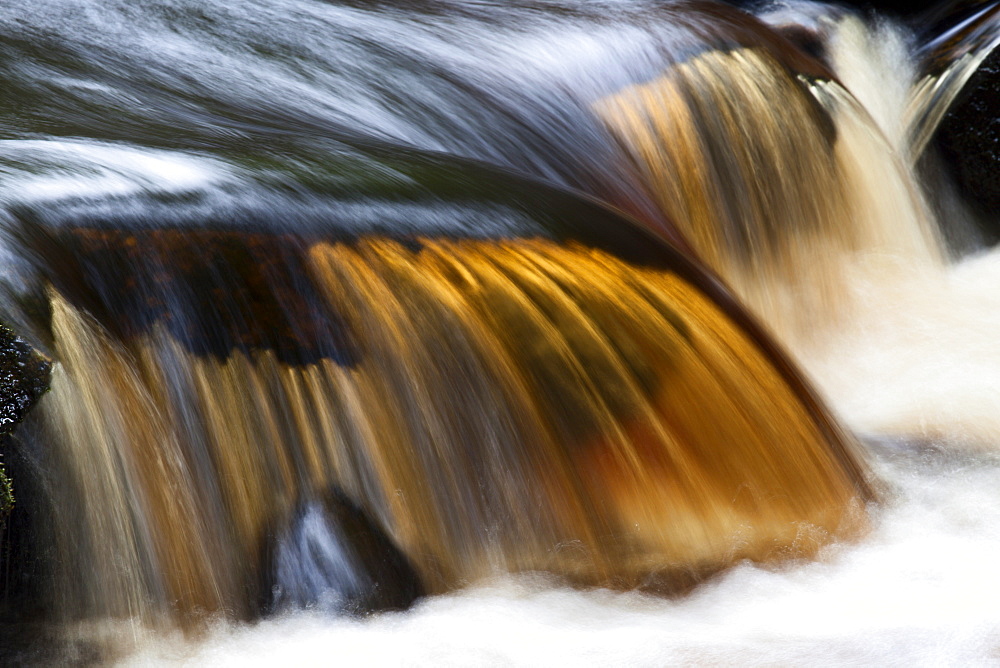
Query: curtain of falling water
(516, 406)
(511, 405)
(726, 142)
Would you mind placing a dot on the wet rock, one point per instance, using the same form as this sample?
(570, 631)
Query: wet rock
(214, 291)
(335, 559)
(24, 376)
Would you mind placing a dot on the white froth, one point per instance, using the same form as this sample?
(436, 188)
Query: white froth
(921, 590)
(921, 360)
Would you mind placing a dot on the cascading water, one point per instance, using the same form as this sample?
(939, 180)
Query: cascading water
(352, 303)
(725, 141)
(624, 462)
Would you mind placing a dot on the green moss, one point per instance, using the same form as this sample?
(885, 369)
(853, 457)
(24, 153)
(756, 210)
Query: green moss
(6, 495)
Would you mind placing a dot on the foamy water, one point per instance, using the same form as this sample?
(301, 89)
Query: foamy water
(921, 368)
(916, 369)
(921, 590)
(922, 361)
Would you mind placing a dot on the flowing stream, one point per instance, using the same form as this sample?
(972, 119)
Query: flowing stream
(919, 591)
(602, 333)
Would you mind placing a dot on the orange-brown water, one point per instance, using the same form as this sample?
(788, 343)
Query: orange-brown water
(261, 315)
(517, 406)
(726, 142)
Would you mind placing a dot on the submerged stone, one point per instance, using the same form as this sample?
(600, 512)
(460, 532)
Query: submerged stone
(335, 559)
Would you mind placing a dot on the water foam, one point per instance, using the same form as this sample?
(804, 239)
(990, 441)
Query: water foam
(920, 591)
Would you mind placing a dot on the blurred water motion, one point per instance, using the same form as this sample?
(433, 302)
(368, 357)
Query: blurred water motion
(509, 406)
(351, 303)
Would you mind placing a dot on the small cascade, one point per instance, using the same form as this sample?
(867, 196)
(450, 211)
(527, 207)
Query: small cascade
(349, 304)
(725, 142)
(506, 406)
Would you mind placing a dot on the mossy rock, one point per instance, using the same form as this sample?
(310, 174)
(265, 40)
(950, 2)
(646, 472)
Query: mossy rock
(6, 494)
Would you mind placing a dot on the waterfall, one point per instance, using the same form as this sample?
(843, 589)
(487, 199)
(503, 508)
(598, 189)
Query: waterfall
(353, 308)
(507, 398)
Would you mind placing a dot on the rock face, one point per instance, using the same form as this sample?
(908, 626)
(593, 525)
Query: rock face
(24, 376)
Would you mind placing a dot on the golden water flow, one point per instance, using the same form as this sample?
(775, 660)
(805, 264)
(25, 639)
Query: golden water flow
(516, 405)
(782, 185)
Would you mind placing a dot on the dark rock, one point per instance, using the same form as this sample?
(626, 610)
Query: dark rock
(336, 559)
(214, 291)
(24, 376)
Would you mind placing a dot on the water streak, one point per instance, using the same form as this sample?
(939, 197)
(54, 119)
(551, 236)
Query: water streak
(514, 406)
(425, 281)
(726, 141)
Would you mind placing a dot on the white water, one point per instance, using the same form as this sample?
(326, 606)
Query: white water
(919, 367)
(923, 363)
(918, 370)
(921, 590)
